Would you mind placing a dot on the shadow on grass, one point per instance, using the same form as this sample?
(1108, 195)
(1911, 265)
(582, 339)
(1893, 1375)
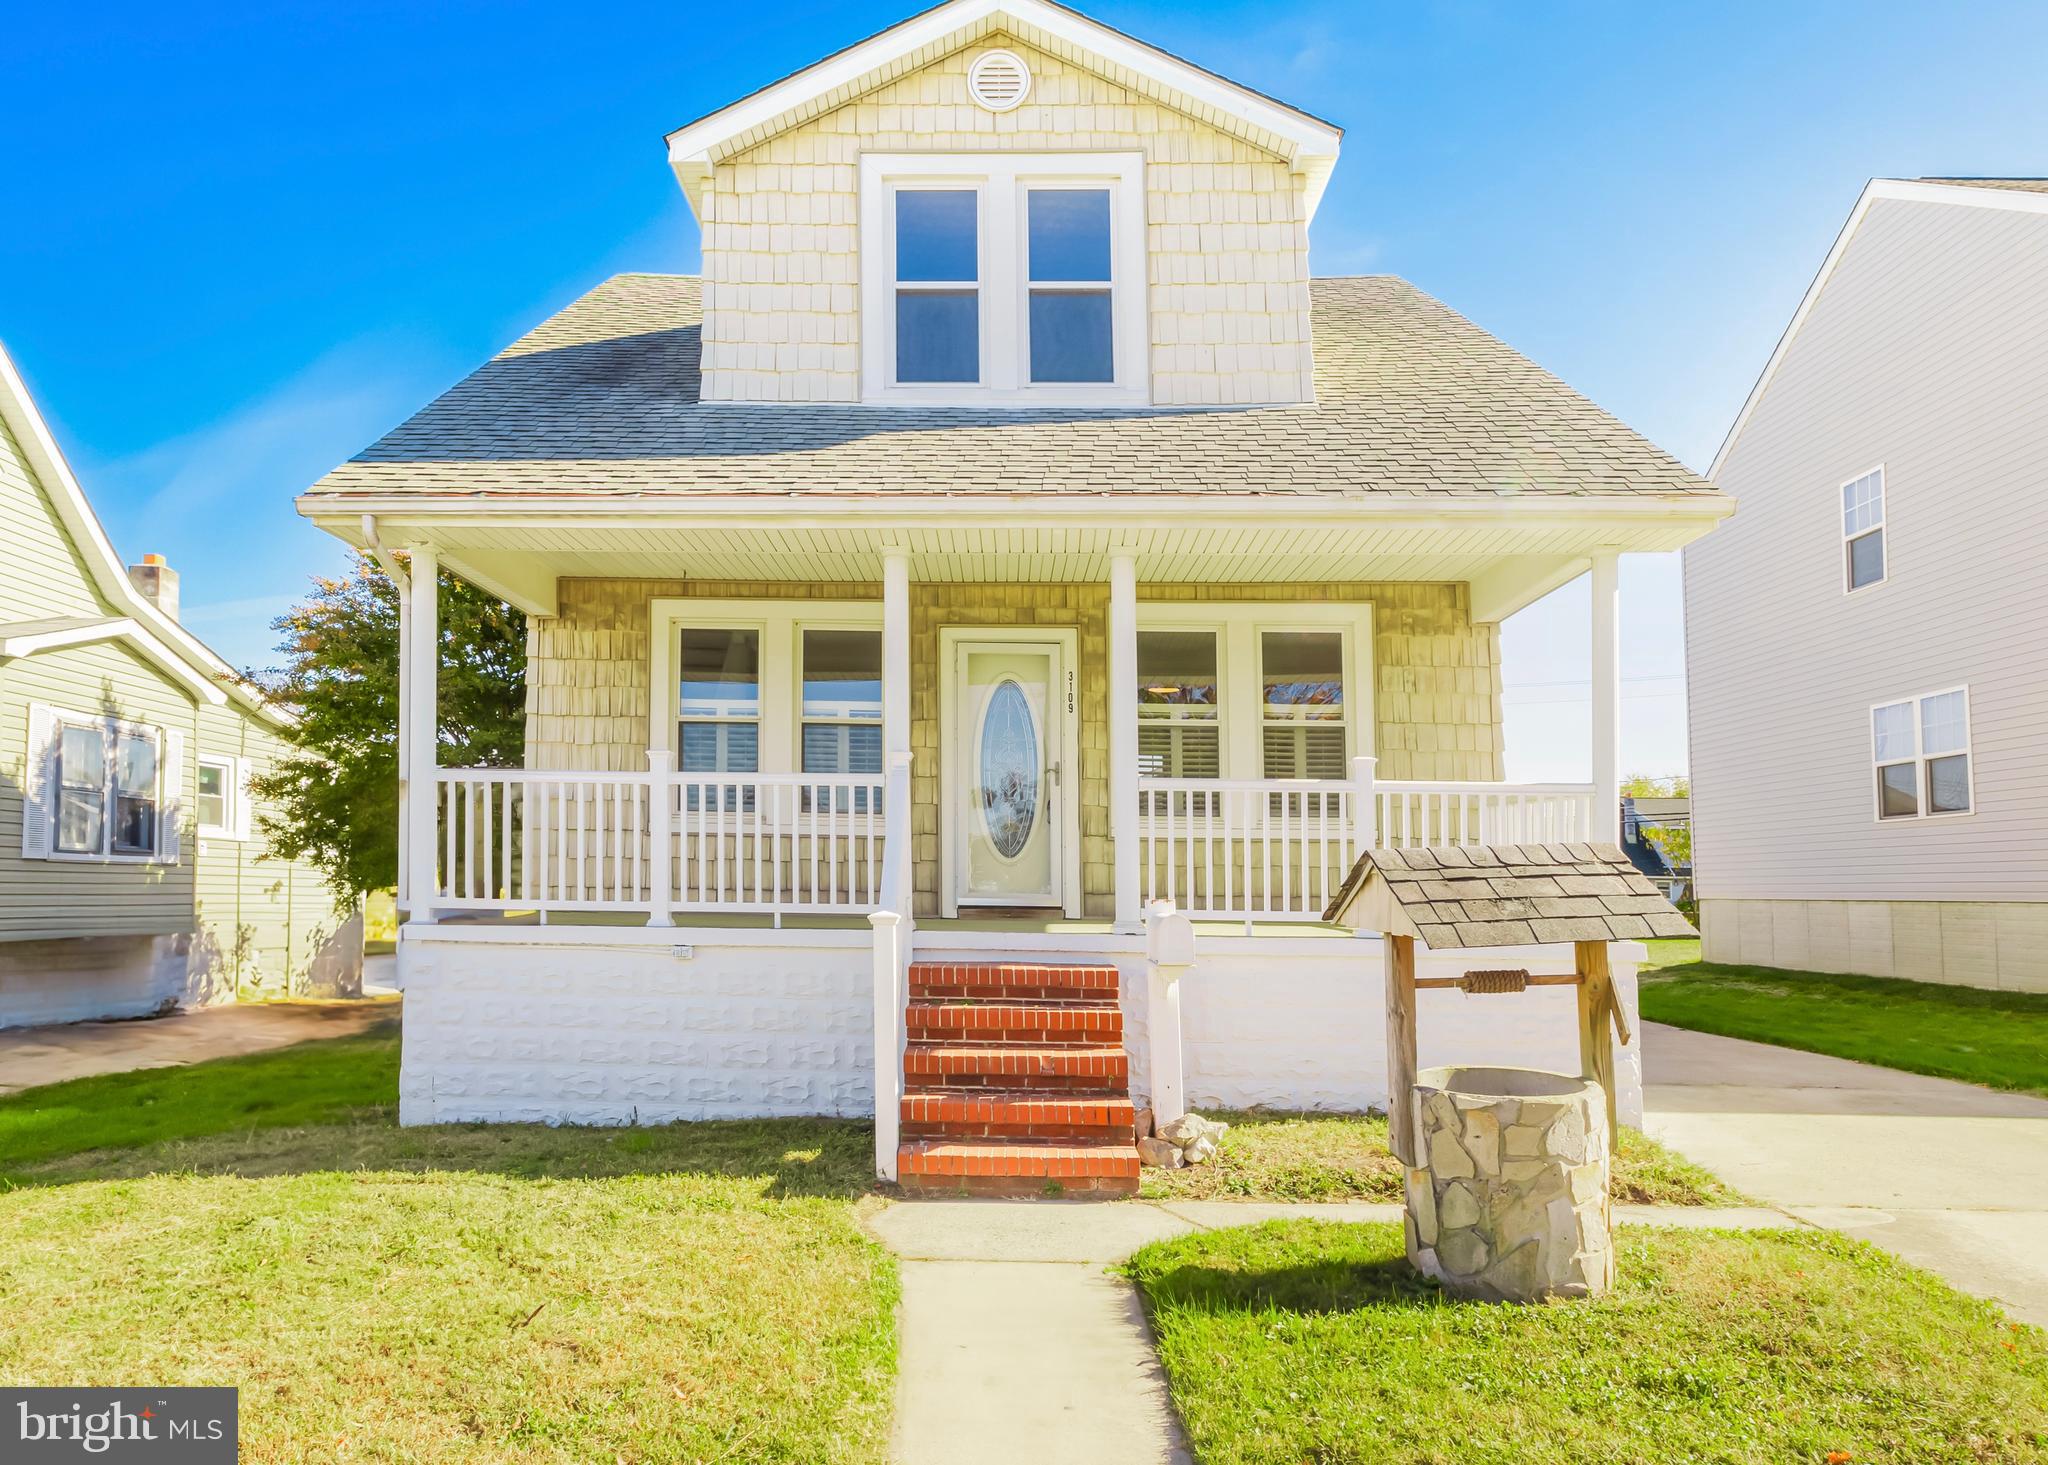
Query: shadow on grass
(332, 1106)
(1335, 1286)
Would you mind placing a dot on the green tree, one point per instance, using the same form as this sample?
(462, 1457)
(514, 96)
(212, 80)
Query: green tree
(1674, 840)
(334, 797)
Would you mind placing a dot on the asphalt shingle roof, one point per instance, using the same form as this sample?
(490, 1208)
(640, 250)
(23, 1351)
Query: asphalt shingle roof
(1508, 895)
(1412, 400)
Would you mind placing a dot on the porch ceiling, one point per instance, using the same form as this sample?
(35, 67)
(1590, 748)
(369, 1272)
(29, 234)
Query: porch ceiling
(1509, 559)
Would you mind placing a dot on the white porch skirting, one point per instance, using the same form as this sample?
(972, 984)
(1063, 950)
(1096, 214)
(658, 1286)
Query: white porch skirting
(592, 1025)
(610, 1029)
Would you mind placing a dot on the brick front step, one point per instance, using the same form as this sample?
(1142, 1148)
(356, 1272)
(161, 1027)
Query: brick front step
(1015, 1066)
(1043, 1023)
(996, 981)
(1016, 1168)
(954, 1114)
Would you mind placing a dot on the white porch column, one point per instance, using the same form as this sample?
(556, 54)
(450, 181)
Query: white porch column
(403, 900)
(419, 672)
(1606, 697)
(1123, 735)
(895, 656)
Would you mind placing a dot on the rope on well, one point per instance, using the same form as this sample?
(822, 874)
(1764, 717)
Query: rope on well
(1511, 979)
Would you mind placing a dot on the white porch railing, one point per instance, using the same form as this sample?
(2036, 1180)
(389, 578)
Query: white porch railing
(659, 842)
(1245, 849)
(1277, 849)
(1414, 815)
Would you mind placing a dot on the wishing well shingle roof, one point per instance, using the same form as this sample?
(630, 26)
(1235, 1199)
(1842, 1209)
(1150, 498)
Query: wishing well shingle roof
(1506, 895)
(1412, 400)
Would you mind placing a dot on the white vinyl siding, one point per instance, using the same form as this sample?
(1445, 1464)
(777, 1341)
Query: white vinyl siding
(1924, 351)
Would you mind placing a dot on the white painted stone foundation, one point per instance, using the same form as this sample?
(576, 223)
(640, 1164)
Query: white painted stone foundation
(587, 1025)
(612, 1027)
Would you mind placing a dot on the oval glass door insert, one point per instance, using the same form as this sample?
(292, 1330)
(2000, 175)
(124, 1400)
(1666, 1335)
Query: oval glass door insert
(1009, 770)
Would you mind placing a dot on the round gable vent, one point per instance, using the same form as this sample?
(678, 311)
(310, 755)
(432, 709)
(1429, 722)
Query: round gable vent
(999, 80)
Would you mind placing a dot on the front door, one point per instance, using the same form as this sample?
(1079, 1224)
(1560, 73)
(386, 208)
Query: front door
(1010, 703)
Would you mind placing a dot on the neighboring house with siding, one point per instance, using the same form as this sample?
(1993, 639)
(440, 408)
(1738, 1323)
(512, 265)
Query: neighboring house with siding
(1865, 642)
(132, 875)
(1003, 534)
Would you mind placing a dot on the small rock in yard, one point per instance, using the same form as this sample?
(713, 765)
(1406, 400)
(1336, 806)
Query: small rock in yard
(1185, 1130)
(1201, 1150)
(1158, 1153)
(1144, 1124)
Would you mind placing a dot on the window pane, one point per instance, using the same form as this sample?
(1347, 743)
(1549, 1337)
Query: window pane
(720, 747)
(1948, 784)
(134, 825)
(82, 759)
(1866, 559)
(935, 234)
(1304, 752)
(1177, 675)
(1071, 336)
(843, 674)
(212, 803)
(78, 821)
(1178, 750)
(136, 771)
(1303, 676)
(721, 673)
(1069, 233)
(1895, 794)
(1862, 503)
(1892, 731)
(842, 748)
(1942, 725)
(938, 336)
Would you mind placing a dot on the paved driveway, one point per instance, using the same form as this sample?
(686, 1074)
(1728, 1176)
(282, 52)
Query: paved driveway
(1947, 1175)
(33, 1056)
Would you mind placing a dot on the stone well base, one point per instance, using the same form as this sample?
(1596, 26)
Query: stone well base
(1510, 1201)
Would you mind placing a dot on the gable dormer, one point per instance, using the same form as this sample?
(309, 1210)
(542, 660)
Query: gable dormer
(1002, 203)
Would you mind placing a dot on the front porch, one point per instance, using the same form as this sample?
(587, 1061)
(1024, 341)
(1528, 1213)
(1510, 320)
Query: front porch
(770, 825)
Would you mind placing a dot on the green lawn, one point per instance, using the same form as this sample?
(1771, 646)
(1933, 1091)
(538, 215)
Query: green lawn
(1999, 1039)
(1309, 1341)
(502, 1293)
(1319, 1157)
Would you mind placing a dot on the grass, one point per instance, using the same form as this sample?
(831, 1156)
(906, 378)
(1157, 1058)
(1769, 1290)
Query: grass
(1309, 1341)
(1998, 1039)
(431, 1295)
(333, 1081)
(1324, 1157)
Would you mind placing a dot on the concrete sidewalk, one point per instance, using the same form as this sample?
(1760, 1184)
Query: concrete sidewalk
(30, 1057)
(1946, 1175)
(1015, 1336)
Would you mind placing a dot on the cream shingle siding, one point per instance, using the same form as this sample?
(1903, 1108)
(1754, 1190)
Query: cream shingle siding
(1227, 234)
(1436, 683)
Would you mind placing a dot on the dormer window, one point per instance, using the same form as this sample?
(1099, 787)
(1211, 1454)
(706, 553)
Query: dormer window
(1014, 280)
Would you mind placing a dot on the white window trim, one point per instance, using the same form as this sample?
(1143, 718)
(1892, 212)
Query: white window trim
(169, 775)
(1004, 292)
(1239, 626)
(1884, 545)
(781, 624)
(1919, 759)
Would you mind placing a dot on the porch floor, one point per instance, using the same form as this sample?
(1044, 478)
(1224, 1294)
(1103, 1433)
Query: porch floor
(928, 926)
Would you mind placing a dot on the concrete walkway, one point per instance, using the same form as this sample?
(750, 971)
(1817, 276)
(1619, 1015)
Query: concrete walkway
(1015, 1336)
(33, 1056)
(1948, 1176)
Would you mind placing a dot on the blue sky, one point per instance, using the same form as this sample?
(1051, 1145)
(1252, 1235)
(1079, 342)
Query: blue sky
(245, 240)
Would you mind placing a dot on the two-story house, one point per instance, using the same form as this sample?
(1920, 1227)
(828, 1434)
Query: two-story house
(1003, 534)
(1865, 643)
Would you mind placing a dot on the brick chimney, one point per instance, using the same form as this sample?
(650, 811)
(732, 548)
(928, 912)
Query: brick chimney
(158, 583)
